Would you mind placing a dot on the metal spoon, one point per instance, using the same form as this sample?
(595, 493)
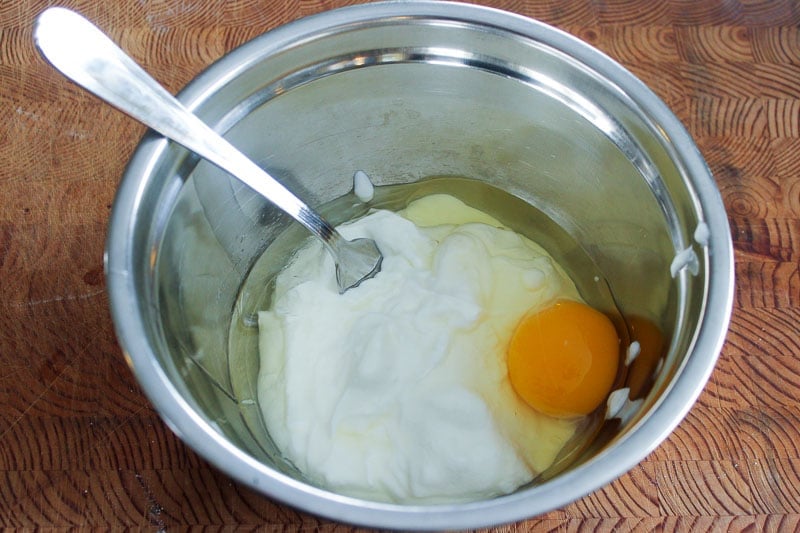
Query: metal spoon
(84, 54)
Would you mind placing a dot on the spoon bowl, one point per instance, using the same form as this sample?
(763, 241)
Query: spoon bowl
(406, 91)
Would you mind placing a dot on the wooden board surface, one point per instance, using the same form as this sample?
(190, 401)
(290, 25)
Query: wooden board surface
(80, 445)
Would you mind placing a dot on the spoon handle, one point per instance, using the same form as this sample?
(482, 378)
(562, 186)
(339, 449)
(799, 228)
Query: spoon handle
(84, 54)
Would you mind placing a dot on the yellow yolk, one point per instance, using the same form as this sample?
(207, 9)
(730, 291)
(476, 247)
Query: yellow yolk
(562, 361)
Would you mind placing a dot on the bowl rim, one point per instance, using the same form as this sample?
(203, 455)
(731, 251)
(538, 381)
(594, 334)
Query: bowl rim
(191, 427)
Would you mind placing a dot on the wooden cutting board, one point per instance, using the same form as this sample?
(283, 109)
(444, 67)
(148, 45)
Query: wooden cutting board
(81, 446)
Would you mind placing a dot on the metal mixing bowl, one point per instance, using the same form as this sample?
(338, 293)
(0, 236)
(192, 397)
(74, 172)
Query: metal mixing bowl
(405, 91)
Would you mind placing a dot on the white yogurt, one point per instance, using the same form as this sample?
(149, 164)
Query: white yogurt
(363, 187)
(397, 390)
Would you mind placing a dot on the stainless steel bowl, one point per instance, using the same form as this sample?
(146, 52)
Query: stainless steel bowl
(405, 91)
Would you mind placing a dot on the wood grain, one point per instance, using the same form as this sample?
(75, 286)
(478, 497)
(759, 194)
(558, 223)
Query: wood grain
(80, 446)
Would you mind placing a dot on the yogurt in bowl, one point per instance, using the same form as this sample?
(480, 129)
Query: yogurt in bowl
(398, 390)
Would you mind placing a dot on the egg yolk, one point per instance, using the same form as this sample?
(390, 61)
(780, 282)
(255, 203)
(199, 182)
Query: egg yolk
(563, 360)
